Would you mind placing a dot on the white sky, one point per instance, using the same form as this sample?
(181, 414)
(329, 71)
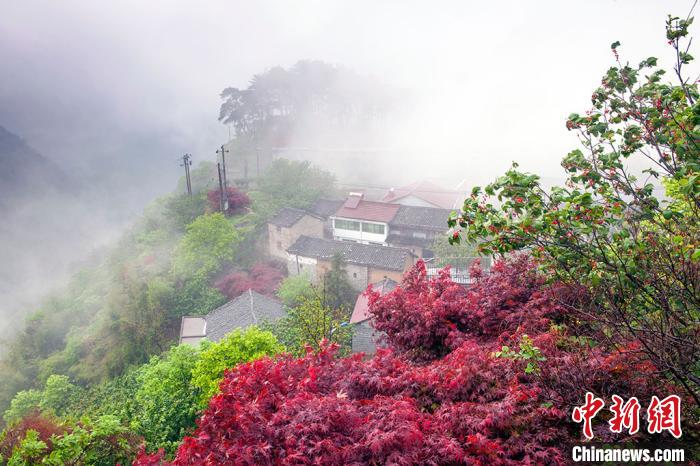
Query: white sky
(120, 90)
(495, 80)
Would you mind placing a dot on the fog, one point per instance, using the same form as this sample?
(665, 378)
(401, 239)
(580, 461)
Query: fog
(115, 92)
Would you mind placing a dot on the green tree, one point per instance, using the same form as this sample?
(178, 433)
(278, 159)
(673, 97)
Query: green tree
(295, 288)
(637, 253)
(337, 290)
(288, 183)
(22, 404)
(102, 442)
(312, 322)
(167, 400)
(235, 348)
(59, 395)
(209, 242)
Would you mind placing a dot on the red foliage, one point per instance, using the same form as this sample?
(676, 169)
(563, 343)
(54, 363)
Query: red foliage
(263, 277)
(440, 398)
(43, 425)
(237, 200)
(431, 318)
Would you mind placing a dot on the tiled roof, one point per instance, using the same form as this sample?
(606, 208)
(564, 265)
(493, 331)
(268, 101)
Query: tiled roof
(382, 257)
(325, 207)
(367, 210)
(428, 218)
(361, 310)
(365, 339)
(250, 308)
(287, 217)
(428, 192)
(406, 241)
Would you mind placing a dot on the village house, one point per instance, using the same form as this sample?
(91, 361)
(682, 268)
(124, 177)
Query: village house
(365, 338)
(364, 263)
(324, 209)
(372, 222)
(250, 308)
(425, 194)
(416, 228)
(287, 226)
(363, 221)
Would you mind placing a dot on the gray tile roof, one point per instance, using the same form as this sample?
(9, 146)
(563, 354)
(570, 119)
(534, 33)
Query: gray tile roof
(421, 217)
(365, 339)
(406, 241)
(383, 257)
(325, 207)
(250, 308)
(287, 217)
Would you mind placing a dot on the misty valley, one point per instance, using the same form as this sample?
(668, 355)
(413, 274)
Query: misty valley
(381, 256)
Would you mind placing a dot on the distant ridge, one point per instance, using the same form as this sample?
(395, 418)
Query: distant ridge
(25, 173)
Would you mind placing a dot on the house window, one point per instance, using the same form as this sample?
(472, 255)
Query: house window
(279, 244)
(279, 229)
(376, 228)
(347, 225)
(419, 234)
(354, 275)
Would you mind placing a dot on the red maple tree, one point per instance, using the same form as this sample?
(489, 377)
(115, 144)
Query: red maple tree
(440, 396)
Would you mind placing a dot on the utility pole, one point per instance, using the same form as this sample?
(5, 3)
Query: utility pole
(221, 189)
(223, 151)
(187, 162)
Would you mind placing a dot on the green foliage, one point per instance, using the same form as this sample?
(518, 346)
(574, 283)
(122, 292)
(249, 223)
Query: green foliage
(288, 183)
(237, 347)
(637, 253)
(294, 289)
(528, 352)
(166, 399)
(22, 404)
(181, 209)
(204, 177)
(209, 242)
(104, 441)
(29, 451)
(59, 395)
(312, 322)
(337, 290)
(451, 254)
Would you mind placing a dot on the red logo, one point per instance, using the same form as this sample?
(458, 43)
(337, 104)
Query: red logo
(661, 415)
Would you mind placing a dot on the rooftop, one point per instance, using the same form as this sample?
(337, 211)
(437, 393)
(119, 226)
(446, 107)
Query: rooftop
(361, 311)
(287, 217)
(325, 207)
(422, 217)
(428, 192)
(382, 257)
(357, 208)
(250, 308)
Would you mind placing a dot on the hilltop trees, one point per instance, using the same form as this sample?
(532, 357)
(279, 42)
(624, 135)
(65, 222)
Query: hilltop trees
(280, 102)
(637, 253)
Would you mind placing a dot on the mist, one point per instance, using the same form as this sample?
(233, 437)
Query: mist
(115, 93)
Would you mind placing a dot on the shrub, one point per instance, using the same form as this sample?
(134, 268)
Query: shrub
(237, 200)
(263, 277)
(238, 346)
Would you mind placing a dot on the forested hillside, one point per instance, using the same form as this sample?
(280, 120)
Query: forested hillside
(121, 310)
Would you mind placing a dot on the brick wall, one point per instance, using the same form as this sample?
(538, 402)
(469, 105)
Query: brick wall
(280, 238)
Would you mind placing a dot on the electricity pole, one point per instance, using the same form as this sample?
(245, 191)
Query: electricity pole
(221, 189)
(223, 151)
(187, 162)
